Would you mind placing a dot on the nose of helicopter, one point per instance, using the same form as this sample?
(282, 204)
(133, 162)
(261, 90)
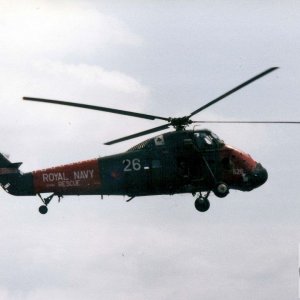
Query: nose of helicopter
(259, 176)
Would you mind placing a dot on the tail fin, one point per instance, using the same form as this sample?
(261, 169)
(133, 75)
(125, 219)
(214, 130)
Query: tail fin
(6, 167)
(10, 176)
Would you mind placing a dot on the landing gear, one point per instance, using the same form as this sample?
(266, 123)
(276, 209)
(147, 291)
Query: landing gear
(43, 209)
(202, 203)
(221, 190)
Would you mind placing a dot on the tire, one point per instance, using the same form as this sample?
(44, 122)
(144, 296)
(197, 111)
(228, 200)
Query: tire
(202, 205)
(221, 190)
(43, 209)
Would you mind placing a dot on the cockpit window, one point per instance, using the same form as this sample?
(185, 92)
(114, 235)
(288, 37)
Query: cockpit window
(206, 139)
(215, 136)
(203, 139)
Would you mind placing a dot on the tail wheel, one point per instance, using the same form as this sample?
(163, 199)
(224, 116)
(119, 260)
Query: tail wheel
(221, 190)
(43, 209)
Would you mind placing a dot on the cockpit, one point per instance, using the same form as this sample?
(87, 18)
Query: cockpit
(205, 139)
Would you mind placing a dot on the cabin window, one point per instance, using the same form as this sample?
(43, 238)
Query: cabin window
(156, 164)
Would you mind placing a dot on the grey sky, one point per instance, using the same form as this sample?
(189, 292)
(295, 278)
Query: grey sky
(166, 58)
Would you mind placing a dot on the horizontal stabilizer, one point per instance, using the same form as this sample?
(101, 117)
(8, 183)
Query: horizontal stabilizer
(7, 167)
(15, 165)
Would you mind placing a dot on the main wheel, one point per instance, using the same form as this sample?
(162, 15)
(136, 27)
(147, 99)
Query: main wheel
(202, 205)
(43, 209)
(221, 190)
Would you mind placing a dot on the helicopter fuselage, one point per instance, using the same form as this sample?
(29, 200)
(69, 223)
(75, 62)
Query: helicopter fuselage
(175, 162)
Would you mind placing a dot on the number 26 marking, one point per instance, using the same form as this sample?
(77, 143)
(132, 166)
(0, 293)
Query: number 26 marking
(132, 165)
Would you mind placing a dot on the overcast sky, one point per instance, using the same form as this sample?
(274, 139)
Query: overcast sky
(165, 58)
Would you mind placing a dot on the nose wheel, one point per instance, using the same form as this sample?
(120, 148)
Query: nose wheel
(202, 203)
(221, 190)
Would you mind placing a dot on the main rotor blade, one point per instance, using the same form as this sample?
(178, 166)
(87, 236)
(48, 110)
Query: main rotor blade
(138, 134)
(99, 108)
(249, 122)
(233, 90)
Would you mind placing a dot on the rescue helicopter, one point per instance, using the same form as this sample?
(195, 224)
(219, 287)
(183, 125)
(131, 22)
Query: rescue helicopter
(194, 161)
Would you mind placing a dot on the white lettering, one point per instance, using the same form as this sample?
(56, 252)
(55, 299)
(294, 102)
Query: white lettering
(45, 177)
(69, 183)
(91, 172)
(134, 165)
(237, 171)
(50, 177)
(84, 174)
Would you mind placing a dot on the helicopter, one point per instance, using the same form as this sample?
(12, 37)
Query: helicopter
(194, 161)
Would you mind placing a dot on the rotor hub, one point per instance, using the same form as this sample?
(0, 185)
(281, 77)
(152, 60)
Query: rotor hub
(180, 123)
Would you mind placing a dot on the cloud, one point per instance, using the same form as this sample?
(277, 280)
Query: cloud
(35, 29)
(51, 51)
(83, 247)
(91, 76)
(44, 124)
